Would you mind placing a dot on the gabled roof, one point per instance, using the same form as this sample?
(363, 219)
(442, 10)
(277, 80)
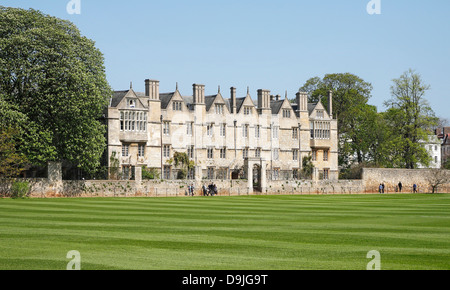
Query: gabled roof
(209, 101)
(311, 107)
(276, 106)
(189, 101)
(165, 99)
(118, 96)
(239, 102)
(228, 104)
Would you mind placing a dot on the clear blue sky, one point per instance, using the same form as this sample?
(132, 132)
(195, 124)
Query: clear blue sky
(275, 45)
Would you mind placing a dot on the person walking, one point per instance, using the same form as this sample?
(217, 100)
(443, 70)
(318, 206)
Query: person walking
(380, 188)
(400, 185)
(210, 190)
(415, 188)
(191, 190)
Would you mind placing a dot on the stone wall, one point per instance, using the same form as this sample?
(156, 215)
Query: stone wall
(47, 188)
(43, 188)
(372, 177)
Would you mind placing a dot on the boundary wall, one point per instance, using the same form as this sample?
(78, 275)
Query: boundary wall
(54, 186)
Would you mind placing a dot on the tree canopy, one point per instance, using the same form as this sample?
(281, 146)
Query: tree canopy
(350, 96)
(394, 138)
(52, 79)
(411, 120)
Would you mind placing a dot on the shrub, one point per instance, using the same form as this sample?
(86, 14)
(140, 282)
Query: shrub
(20, 189)
(149, 173)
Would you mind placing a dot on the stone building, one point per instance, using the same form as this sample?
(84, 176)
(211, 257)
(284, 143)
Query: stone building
(433, 147)
(443, 134)
(226, 137)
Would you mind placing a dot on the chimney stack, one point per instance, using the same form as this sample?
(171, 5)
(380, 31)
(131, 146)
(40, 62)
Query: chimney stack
(152, 89)
(302, 101)
(199, 94)
(233, 100)
(264, 99)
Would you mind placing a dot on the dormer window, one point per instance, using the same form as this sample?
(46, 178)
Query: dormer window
(319, 114)
(247, 110)
(177, 106)
(219, 109)
(131, 103)
(286, 113)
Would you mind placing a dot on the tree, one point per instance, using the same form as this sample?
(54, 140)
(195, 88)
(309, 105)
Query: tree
(56, 78)
(410, 118)
(307, 167)
(12, 163)
(437, 177)
(350, 97)
(348, 90)
(28, 140)
(182, 159)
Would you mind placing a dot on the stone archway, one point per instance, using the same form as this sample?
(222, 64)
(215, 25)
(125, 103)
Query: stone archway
(257, 177)
(259, 165)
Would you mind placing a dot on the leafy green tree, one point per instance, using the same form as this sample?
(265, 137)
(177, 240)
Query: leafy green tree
(12, 163)
(350, 97)
(150, 173)
(410, 118)
(181, 159)
(307, 167)
(348, 90)
(56, 78)
(28, 140)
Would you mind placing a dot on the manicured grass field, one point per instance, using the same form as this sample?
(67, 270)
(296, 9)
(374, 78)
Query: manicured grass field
(227, 233)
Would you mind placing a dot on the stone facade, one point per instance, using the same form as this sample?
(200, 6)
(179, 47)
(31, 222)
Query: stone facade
(222, 134)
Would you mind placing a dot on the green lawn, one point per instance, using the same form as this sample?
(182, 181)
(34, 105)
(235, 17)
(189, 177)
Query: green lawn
(228, 233)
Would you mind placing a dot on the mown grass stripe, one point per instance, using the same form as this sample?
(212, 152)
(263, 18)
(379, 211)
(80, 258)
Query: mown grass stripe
(248, 232)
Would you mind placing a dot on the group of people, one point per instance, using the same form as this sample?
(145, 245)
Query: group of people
(399, 187)
(381, 188)
(211, 190)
